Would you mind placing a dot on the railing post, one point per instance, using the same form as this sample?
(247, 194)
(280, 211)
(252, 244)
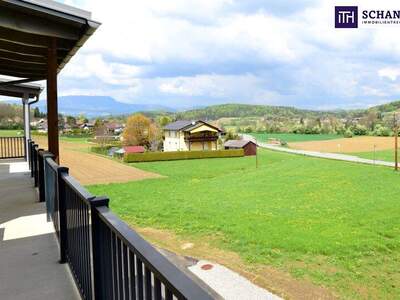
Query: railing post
(41, 175)
(25, 149)
(31, 157)
(95, 247)
(62, 213)
(28, 154)
(45, 155)
(35, 164)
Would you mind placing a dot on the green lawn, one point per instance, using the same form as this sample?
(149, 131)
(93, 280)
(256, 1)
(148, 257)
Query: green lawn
(11, 133)
(78, 139)
(334, 223)
(291, 137)
(385, 155)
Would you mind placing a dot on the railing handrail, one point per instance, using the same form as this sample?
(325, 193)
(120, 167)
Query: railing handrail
(177, 280)
(85, 195)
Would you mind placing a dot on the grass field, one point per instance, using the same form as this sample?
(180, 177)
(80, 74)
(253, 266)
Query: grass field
(11, 133)
(332, 223)
(385, 155)
(291, 137)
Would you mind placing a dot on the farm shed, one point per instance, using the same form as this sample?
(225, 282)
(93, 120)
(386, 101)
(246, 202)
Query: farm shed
(249, 147)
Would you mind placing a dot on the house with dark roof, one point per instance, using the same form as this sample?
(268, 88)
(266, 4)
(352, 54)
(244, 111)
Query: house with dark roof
(186, 135)
(249, 147)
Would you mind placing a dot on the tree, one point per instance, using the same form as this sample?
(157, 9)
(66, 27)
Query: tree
(164, 120)
(231, 135)
(140, 130)
(71, 121)
(36, 113)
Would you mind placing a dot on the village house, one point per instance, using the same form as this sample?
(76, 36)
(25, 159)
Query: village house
(114, 128)
(186, 135)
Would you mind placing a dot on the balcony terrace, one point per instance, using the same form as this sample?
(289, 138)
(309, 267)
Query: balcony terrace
(29, 259)
(57, 241)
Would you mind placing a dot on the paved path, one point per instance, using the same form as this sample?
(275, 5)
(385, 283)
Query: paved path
(230, 285)
(29, 267)
(335, 156)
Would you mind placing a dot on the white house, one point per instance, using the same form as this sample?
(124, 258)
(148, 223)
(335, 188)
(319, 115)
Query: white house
(190, 135)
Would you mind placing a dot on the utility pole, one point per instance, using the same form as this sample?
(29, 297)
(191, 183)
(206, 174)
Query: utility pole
(396, 157)
(396, 137)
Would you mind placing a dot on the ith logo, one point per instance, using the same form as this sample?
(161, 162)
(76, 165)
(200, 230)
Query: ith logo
(346, 17)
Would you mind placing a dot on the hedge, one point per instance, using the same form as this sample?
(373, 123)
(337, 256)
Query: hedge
(178, 155)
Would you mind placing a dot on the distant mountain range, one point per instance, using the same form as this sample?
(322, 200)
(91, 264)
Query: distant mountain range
(92, 106)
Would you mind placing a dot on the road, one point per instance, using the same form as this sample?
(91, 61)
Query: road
(326, 155)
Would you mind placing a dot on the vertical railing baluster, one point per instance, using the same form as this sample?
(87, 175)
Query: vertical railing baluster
(125, 272)
(139, 274)
(147, 283)
(157, 289)
(119, 270)
(168, 294)
(132, 275)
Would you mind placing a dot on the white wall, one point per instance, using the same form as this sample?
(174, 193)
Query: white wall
(174, 141)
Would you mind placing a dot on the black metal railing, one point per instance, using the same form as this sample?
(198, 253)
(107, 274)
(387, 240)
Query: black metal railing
(12, 147)
(107, 258)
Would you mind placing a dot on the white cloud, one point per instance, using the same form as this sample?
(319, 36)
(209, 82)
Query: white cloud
(94, 66)
(390, 72)
(227, 55)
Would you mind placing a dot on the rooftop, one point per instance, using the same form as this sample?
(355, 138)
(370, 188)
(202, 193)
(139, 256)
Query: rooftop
(237, 143)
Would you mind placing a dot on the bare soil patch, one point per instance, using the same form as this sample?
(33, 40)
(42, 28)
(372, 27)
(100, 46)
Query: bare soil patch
(272, 279)
(89, 168)
(347, 145)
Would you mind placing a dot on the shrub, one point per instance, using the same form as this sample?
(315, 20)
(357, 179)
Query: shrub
(382, 131)
(101, 149)
(359, 130)
(348, 134)
(179, 155)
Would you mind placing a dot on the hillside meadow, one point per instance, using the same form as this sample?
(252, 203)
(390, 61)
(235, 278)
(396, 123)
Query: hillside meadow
(333, 224)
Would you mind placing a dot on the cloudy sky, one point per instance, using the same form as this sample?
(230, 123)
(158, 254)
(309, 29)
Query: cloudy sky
(184, 53)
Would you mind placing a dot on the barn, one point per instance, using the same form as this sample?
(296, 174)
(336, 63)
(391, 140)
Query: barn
(249, 147)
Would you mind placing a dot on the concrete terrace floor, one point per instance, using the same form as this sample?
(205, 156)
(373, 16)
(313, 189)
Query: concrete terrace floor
(29, 254)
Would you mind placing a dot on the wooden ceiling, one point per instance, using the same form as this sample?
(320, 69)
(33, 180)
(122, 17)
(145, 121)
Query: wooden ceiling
(27, 29)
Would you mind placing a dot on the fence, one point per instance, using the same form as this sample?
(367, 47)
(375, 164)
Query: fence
(107, 258)
(12, 147)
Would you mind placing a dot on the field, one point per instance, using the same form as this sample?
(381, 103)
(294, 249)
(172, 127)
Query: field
(305, 228)
(347, 145)
(385, 155)
(11, 133)
(89, 168)
(291, 137)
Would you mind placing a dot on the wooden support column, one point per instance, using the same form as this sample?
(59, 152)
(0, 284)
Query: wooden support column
(52, 100)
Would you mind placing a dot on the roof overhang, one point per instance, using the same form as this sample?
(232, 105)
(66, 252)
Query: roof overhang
(23, 91)
(28, 26)
(201, 126)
